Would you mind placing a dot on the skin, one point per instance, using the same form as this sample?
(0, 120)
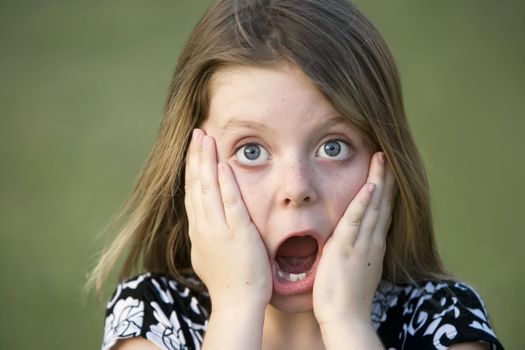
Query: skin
(252, 205)
(293, 186)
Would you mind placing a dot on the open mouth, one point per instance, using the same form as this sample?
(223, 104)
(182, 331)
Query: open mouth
(295, 262)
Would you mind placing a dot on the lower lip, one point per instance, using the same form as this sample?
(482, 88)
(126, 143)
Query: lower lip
(284, 287)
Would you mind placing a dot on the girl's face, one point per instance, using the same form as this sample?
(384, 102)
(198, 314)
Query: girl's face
(298, 165)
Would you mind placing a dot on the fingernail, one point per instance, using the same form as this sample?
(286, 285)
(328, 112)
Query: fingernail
(382, 158)
(207, 141)
(195, 134)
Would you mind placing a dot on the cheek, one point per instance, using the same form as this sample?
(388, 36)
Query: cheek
(342, 191)
(254, 192)
(343, 196)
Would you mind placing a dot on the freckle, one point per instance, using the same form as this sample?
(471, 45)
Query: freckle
(247, 282)
(368, 264)
(227, 286)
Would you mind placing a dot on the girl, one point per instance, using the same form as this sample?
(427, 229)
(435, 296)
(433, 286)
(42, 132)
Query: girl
(285, 205)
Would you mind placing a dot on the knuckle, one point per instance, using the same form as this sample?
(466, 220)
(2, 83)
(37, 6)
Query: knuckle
(230, 201)
(353, 220)
(191, 182)
(205, 187)
(376, 205)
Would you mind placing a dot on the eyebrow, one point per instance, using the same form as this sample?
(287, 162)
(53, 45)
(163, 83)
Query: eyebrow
(240, 123)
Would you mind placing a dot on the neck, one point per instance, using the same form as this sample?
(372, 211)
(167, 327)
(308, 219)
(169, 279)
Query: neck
(284, 330)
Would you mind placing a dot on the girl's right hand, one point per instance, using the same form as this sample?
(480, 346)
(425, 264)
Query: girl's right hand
(227, 251)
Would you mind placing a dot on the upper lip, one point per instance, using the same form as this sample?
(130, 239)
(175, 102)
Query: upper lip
(302, 233)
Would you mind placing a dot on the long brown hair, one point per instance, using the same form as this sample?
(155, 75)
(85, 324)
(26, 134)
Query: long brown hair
(346, 59)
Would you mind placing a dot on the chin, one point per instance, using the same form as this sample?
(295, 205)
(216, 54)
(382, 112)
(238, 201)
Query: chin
(295, 303)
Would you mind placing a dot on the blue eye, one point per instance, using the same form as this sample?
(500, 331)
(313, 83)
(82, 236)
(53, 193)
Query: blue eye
(334, 150)
(252, 154)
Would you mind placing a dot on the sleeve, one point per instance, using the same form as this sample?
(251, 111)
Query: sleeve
(445, 314)
(155, 308)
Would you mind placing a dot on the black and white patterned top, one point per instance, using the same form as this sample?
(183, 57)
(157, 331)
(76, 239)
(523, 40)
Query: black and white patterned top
(433, 315)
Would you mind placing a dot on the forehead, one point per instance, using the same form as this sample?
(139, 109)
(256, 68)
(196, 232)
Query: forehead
(265, 95)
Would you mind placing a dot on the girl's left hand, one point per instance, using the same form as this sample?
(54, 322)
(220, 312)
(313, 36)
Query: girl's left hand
(351, 264)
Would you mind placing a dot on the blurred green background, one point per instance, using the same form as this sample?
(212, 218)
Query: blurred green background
(82, 88)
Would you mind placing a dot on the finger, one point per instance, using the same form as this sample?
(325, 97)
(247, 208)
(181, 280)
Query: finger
(196, 133)
(188, 180)
(347, 230)
(209, 183)
(189, 209)
(371, 215)
(387, 203)
(192, 186)
(237, 216)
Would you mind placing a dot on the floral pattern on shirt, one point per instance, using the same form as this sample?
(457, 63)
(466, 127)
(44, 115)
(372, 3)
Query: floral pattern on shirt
(432, 315)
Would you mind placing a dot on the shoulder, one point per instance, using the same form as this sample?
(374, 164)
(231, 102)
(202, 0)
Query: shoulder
(158, 308)
(435, 315)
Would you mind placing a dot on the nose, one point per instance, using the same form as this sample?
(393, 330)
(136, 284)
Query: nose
(297, 185)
